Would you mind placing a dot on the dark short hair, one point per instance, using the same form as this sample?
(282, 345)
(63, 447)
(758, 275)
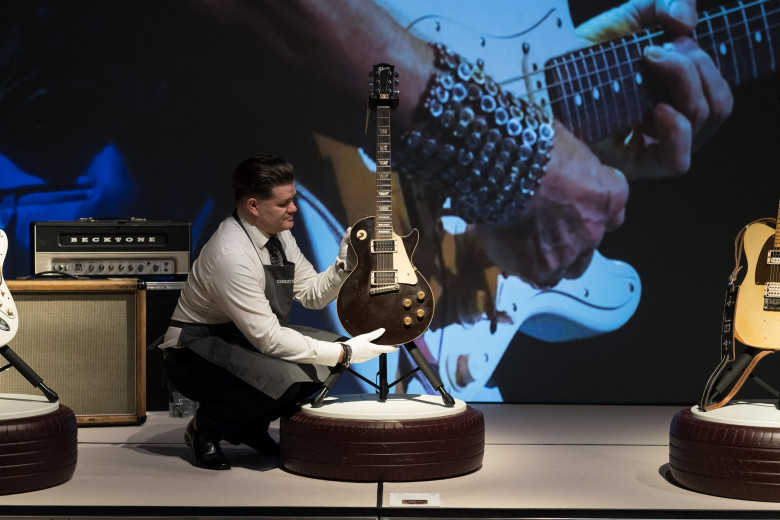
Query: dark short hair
(259, 175)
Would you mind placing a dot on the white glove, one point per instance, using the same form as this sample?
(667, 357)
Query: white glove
(363, 349)
(346, 259)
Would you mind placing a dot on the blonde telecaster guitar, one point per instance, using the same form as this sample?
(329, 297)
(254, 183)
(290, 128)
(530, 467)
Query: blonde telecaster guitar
(757, 313)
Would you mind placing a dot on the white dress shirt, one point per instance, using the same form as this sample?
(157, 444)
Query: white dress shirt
(227, 283)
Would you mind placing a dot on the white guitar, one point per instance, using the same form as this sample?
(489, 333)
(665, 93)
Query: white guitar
(9, 320)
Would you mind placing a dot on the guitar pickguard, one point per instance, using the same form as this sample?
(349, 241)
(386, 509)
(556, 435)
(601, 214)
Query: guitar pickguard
(9, 321)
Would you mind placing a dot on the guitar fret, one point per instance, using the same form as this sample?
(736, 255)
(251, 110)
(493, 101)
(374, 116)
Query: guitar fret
(750, 42)
(728, 46)
(769, 42)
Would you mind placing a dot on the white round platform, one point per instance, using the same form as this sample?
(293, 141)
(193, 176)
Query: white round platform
(397, 406)
(16, 406)
(765, 415)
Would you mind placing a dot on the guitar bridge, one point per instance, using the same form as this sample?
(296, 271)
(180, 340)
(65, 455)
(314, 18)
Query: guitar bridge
(772, 296)
(384, 289)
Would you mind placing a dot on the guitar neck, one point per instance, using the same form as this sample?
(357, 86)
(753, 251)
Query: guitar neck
(777, 228)
(384, 192)
(603, 90)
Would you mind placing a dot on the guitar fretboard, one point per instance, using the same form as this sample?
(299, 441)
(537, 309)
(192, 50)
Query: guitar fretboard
(603, 90)
(384, 194)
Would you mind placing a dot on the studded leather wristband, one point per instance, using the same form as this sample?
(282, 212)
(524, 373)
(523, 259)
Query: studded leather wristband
(482, 149)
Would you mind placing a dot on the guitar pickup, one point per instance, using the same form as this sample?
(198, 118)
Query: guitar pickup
(773, 257)
(384, 277)
(772, 297)
(384, 246)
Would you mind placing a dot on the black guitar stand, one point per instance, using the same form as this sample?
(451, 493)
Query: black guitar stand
(733, 371)
(384, 387)
(15, 361)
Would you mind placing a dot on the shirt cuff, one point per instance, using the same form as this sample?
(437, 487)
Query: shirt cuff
(328, 353)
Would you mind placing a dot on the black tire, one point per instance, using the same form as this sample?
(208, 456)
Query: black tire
(38, 452)
(734, 461)
(383, 450)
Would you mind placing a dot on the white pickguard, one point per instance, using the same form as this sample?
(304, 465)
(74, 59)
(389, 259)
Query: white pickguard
(9, 319)
(402, 264)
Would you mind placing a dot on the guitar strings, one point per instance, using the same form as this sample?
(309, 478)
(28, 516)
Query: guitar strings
(625, 46)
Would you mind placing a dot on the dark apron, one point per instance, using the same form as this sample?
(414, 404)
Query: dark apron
(225, 346)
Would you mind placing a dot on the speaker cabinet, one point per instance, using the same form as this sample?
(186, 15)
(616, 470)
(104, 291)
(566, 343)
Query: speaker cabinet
(86, 340)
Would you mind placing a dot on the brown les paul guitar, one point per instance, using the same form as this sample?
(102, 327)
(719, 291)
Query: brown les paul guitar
(385, 289)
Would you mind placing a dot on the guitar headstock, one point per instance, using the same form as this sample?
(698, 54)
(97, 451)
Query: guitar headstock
(383, 92)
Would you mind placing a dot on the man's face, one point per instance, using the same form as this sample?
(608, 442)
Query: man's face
(275, 215)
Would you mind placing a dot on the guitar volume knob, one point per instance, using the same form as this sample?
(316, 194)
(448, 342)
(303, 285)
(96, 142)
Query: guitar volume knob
(407, 320)
(407, 303)
(420, 295)
(420, 313)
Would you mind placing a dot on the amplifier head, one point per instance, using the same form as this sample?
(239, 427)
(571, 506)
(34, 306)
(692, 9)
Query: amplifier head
(95, 248)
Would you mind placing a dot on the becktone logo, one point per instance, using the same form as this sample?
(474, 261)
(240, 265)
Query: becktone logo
(108, 240)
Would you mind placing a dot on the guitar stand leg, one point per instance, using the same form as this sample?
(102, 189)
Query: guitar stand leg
(432, 377)
(327, 385)
(18, 363)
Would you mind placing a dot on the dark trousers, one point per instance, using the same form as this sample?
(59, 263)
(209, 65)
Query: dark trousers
(228, 408)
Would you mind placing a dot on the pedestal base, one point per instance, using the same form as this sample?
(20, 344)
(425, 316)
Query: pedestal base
(733, 451)
(38, 443)
(405, 438)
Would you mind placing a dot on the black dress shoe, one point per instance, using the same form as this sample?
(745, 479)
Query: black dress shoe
(205, 452)
(264, 444)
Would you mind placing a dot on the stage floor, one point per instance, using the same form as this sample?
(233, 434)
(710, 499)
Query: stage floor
(556, 461)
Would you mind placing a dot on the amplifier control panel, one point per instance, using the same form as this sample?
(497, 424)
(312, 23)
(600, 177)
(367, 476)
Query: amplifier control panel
(115, 267)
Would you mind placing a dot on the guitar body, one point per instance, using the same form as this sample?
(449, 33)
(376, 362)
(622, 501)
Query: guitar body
(360, 311)
(9, 320)
(753, 325)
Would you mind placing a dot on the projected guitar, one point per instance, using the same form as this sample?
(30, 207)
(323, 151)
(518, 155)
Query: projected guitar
(602, 90)
(757, 313)
(9, 322)
(385, 289)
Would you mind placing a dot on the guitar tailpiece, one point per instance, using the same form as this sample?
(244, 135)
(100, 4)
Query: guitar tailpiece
(480, 146)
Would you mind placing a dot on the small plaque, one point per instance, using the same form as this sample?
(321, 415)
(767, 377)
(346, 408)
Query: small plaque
(414, 500)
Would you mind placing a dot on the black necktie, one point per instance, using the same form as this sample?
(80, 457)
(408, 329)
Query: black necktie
(275, 250)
